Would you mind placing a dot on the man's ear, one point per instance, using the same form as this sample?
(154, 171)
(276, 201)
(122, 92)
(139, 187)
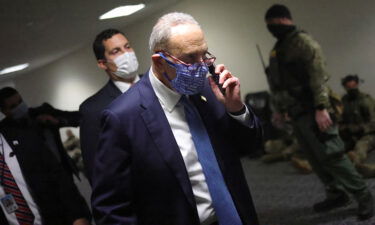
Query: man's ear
(102, 64)
(157, 61)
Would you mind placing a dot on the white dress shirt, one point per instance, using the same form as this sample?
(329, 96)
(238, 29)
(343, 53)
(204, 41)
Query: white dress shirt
(124, 86)
(15, 169)
(175, 114)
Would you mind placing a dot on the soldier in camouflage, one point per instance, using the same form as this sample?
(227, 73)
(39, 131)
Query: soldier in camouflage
(357, 125)
(297, 73)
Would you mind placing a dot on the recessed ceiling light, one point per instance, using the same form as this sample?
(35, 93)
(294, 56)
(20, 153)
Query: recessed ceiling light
(14, 68)
(122, 11)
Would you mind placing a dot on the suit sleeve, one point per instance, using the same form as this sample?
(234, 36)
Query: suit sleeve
(112, 193)
(66, 118)
(248, 137)
(73, 204)
(89, 135)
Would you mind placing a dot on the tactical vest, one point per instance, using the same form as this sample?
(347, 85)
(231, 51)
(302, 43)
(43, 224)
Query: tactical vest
(291, 77)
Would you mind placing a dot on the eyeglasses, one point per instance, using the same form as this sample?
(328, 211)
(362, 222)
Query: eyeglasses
(208, 59)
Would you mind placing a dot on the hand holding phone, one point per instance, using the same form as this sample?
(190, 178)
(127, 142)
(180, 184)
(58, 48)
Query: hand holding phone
(216, 78)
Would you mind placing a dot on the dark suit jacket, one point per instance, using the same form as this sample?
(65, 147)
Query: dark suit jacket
(140, 176)
(91, 110)
(66, 119)
(51, 187)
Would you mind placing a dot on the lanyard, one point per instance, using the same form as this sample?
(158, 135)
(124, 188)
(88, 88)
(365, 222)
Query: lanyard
(3, 153)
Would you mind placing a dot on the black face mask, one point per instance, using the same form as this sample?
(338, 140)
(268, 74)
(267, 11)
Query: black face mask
(280, 30)
(353, 93)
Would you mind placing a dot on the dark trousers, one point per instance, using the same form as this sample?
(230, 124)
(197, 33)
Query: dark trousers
(325, 152)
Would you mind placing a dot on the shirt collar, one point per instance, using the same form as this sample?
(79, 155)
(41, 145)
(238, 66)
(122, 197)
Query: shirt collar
(167, 97)
(124, 86)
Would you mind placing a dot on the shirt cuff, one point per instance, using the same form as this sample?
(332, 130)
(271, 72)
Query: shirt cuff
(243, 118)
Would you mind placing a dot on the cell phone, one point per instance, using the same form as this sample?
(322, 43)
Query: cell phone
(216, 77)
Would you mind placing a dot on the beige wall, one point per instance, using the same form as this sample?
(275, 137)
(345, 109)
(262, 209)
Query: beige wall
(345, 29)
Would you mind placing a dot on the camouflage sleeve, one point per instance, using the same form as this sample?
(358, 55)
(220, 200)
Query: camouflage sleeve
(312, 58)
(276, 105)
(368, 110)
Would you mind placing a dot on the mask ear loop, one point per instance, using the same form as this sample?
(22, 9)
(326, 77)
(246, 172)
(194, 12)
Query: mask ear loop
(167, 60)
(169, 63)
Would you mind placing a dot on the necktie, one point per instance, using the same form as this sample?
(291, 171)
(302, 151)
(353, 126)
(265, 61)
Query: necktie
(221, 199)
(23, 213)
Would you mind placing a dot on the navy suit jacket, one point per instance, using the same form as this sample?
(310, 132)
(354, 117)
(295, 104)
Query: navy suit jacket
(90, 111)
(140, 176)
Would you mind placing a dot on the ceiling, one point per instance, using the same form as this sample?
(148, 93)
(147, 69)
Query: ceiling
(41, 31)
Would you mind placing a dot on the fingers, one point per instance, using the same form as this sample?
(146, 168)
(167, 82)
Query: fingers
(232, 98)
(325, 124)
(328, 124)
(226, 79)
(225, 76)
(216, 89)
(219, 68)
(323, 119)
(223, 73)
(232, 81)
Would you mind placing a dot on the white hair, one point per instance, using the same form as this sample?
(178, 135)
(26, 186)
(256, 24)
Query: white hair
(161, 32)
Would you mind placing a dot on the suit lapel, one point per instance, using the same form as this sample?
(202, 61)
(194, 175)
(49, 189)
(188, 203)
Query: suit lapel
(206, 103)
(20, 141)
(161, 133)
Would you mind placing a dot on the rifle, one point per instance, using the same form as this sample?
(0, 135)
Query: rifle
(261, 57)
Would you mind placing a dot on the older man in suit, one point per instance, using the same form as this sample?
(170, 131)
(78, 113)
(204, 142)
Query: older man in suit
(116, 57)
(168, 151)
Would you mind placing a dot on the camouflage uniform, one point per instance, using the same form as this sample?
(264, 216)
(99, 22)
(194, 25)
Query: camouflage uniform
(357, 128)
(297, 79)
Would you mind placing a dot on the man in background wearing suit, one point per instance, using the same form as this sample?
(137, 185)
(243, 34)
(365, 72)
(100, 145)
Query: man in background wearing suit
(114, 55)
(34, 187)
(168, 151)
(48, 120)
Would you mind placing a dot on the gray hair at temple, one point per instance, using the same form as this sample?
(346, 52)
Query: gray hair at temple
(161, 32)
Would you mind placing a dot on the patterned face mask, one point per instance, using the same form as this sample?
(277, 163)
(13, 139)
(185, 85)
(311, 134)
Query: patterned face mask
(189, 79)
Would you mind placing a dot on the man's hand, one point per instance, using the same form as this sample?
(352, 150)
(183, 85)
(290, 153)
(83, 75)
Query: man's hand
(323, 119)
(81, 221)
(47, 119)
(232, 98)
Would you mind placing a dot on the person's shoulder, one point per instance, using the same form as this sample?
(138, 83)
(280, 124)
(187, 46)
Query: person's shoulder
(88, 102)
(304, 42)
(307, 39)
(366, 96)
(126, 102)
(94, 100)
